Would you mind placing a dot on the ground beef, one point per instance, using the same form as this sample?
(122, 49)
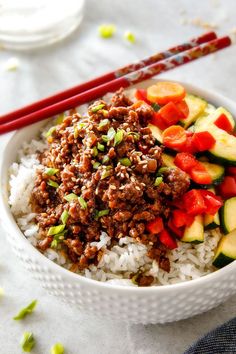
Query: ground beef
(104, 170)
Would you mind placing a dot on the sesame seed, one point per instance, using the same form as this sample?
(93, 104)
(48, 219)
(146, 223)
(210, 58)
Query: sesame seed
(122, 175)
(112, 187)
(132, 179)
(127, 175)
(138, 189)
(122, 187)
(142, 162)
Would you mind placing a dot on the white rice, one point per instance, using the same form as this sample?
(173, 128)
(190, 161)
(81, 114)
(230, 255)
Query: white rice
(187, 262)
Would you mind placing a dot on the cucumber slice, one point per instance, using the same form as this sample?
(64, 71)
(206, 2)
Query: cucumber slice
(156, 132)
(216, 172)
(195, 232)
(196, 106)
(224, 150)
(211, 221)
(228, 215)
(226, 250)
(213, 115)
(168, 160)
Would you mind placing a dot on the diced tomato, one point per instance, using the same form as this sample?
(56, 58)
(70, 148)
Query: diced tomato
(141, 95)
(179, 232)
(181, 218)
(185, 161)
(194, 202)
(155, 226)
(183, 108)
(165, 91)
(200, 175)
(227, 188)
(189, 145)
(203, 141)
(212, 202)
(170, 114)
(174, 137)
(168, 240)
(178, 203)
(223, 122)
(158, 121)
(231, 171)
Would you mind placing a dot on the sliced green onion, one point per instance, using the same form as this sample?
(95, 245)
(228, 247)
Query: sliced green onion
(105, 138)
(27, 342)
(64, 216)
(51, 171)
(156, 106)
(53, 184)
(96, 165)
(101, 213)
(80, 125)
(100, 147)
(95, 151)
(54, 230)
(54, 244)
(107, 31)
(104, 112)
(82, 202)
(135, 135)
(118, 137)
(129, 36)
(57, 349)
(125, 161)
(158, 181)
(60, 118)
(105, 174)
(50, 131)
(103, 123)
(70, 197)
(25, 311)
(111, 133)
(105, 159)
(76, 132)
(163, 169)
(97, 108)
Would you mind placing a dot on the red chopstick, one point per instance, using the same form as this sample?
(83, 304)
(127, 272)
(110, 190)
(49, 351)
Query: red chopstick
(124, 81)
(106, 78)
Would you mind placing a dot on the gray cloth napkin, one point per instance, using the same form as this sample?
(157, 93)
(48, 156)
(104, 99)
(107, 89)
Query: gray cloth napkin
(219, 341)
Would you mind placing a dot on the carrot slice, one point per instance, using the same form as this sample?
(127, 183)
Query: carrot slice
(164, 91)
(174, 137)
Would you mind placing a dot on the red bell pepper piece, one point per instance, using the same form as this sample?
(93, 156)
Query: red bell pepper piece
(194, 202)
(168, 240)
(181, 218)
(231, 171)
(213, 202)
(155, 226)
(183, 108)
(227, 188)
(185, 161)
(223, 122)
(158, 121)
(200, 175)
(179, 232)
(141, 95)
(174, 137)
(170, 114)
(203, 141)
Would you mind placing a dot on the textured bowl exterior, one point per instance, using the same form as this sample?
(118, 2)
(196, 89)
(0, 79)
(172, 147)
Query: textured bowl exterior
(130, 304)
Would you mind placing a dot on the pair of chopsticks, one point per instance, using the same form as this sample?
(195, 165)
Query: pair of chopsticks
(124, 77)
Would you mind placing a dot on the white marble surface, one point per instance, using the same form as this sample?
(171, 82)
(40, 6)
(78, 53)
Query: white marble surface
(157, 25)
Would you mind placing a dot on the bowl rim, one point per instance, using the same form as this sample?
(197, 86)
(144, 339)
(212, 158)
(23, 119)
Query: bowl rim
(10, 225)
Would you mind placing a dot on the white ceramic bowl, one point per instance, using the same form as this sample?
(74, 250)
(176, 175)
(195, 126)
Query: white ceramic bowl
(134, 305)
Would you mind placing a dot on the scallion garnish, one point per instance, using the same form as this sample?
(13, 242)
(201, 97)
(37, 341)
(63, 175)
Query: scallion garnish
(53, 184)
(118, 137)
(27, 342)
(125, 161)
(54, 244)
(60, 118)
(25, 311)
(57, 349)
(130, 37)
(163, 169)
(103, 122)
(95, 151)
(107, 31)
(70, 197)
(97, 108)
(105, 159)
(111, 133)
(100, 147)
(96, 165)
(76, 132)
(106, 173)
(135, 135)
(64, 216)
(101, 213)
(82, 202)
(105, 138)
(80, 125)
(156, 106)
(51, 171)
(158, 181)
(50, 131)
(54, 230)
